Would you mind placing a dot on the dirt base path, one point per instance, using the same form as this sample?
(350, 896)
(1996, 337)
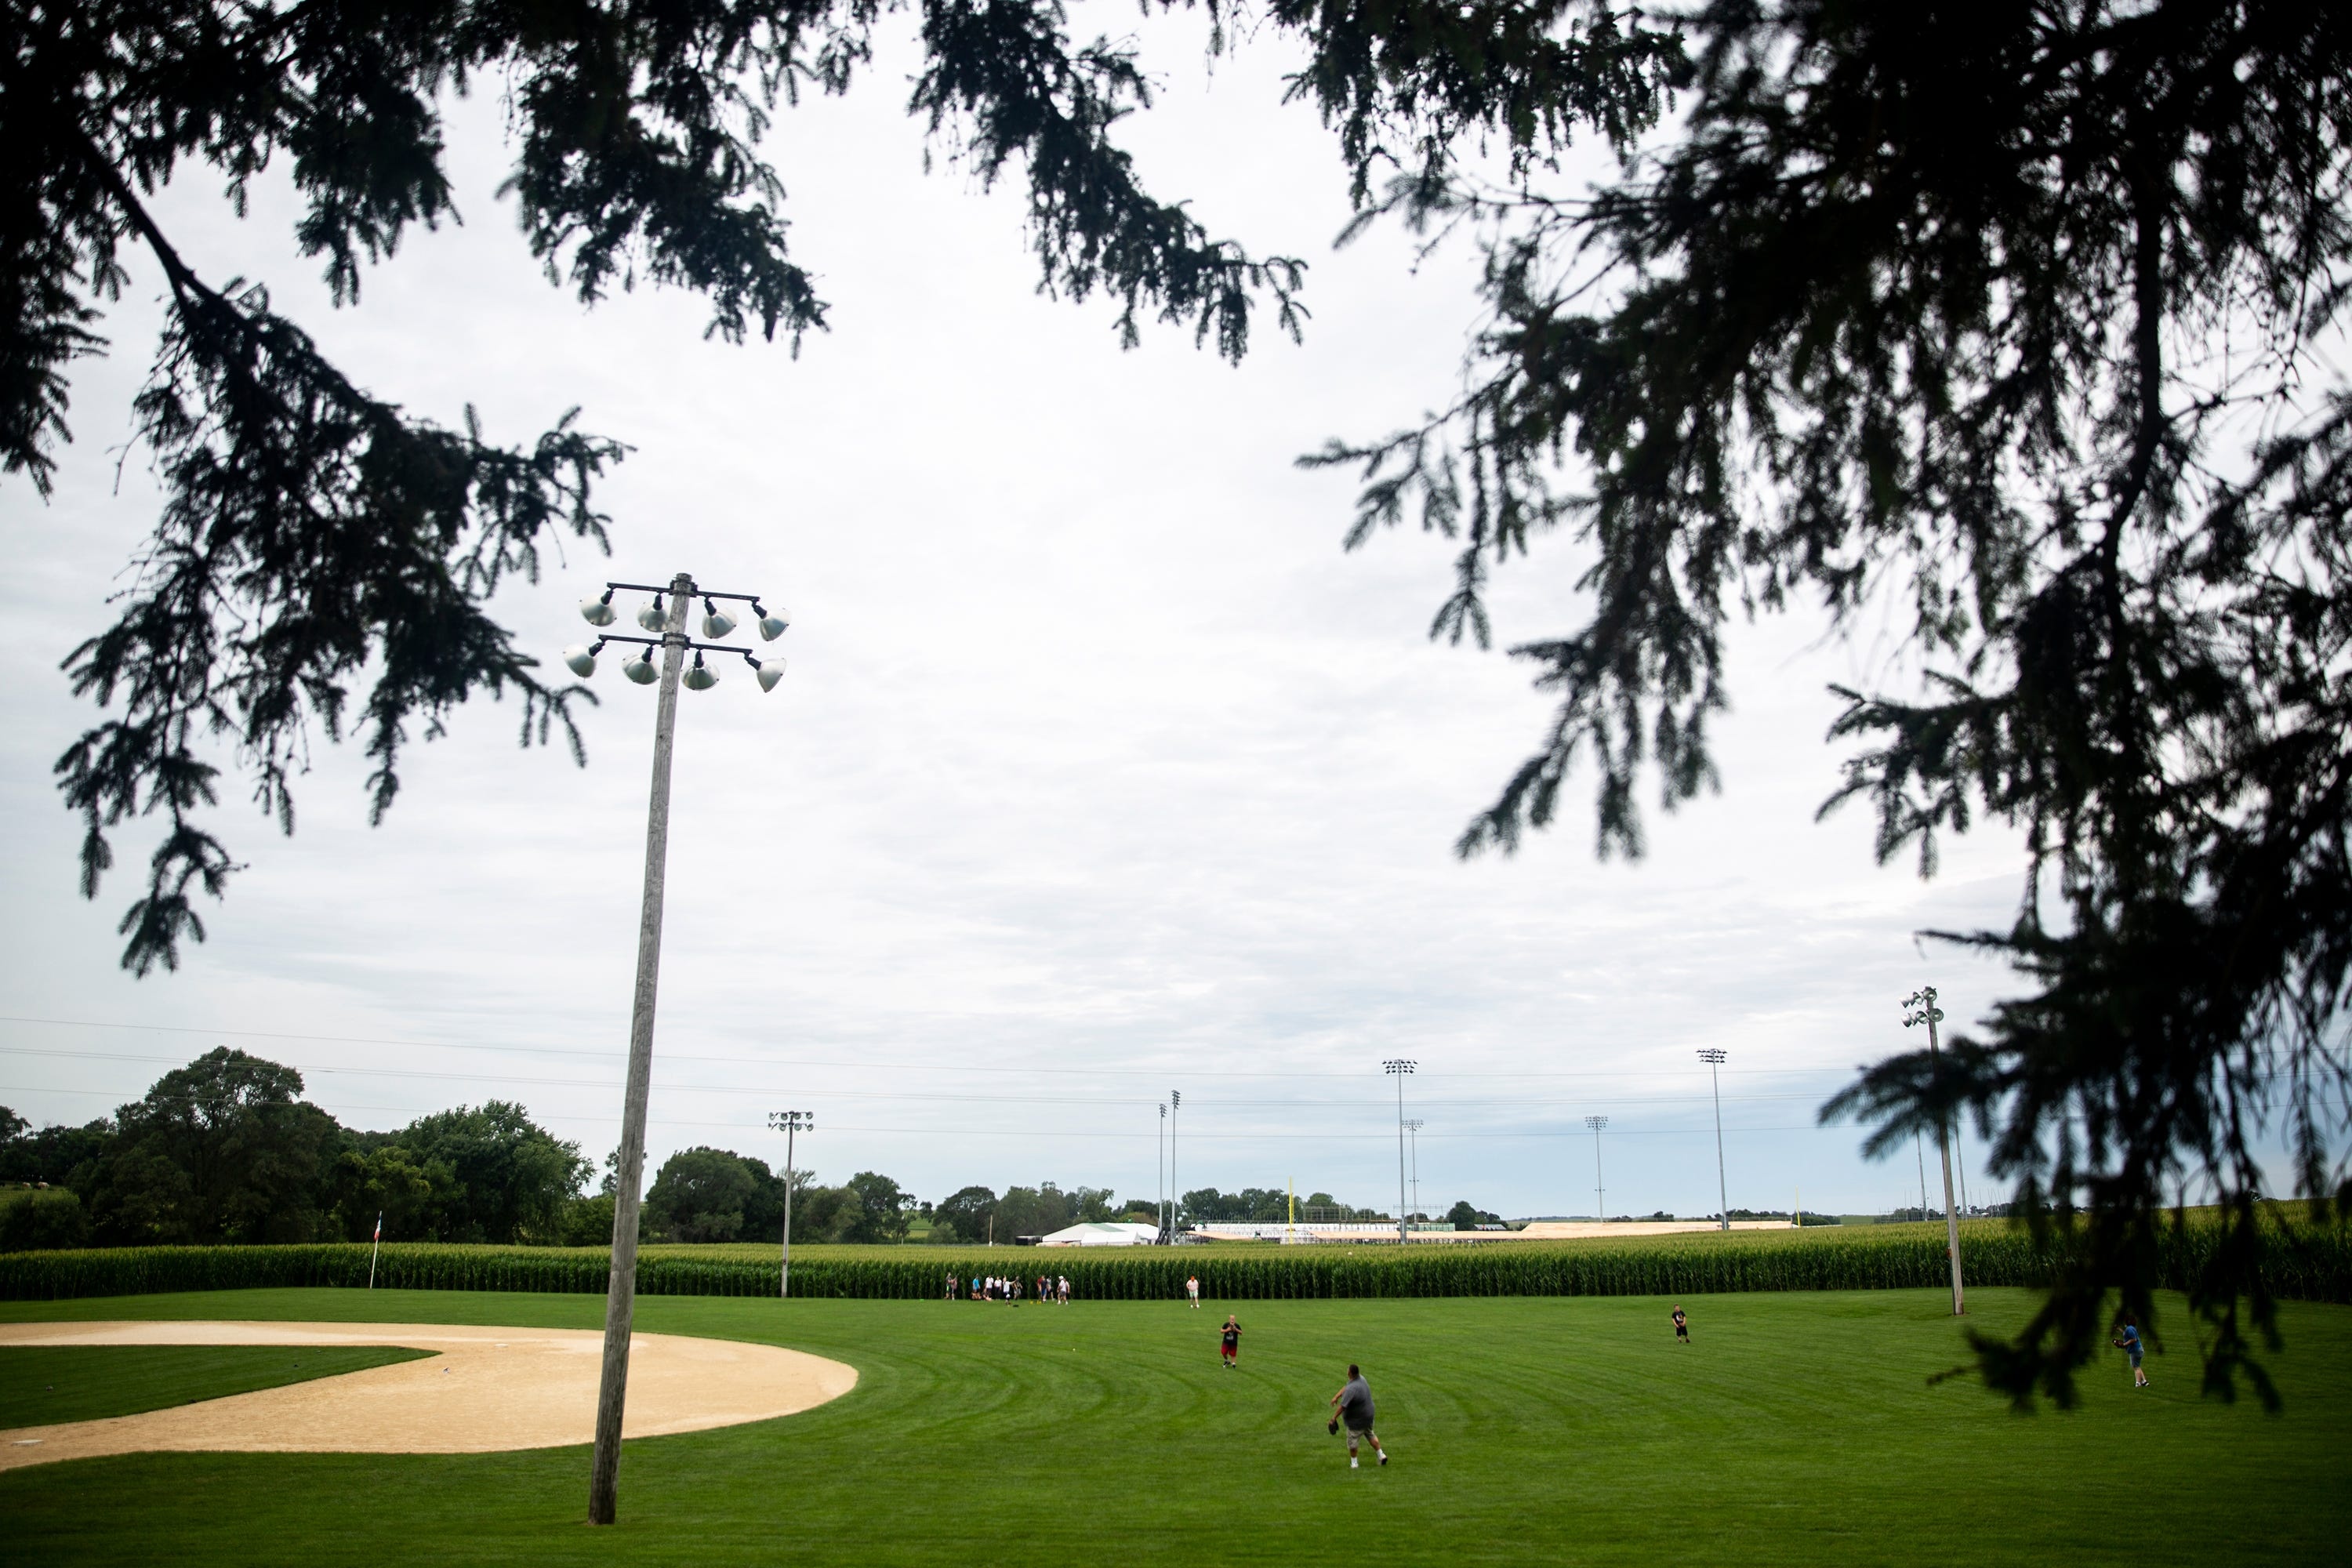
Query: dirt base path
(486, 1389)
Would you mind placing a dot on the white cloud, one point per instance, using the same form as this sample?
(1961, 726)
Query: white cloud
(1100, 769)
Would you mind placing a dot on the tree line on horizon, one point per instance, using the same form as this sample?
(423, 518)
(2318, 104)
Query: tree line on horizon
(227, 1151)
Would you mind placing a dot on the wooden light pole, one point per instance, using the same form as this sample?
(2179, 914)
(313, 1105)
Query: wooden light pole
(1920, 1008)
(1714, 1057)
(1398, 1068)
(669, 620)
(788, 1123)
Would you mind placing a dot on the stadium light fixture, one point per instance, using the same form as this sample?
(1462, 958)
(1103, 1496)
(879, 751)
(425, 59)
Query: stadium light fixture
(772, 626)
(1715, 1058)
(788, 1122)
(1919, 1008)
(665, 616)
(1600, 1192)
(597, 609)
(1398, 1068)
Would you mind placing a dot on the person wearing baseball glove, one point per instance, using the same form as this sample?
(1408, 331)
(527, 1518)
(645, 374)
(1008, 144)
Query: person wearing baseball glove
(1353, 1405)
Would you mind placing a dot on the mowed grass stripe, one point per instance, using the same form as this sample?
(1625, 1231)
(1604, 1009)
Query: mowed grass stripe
(42, 1385)
(1797, 1428)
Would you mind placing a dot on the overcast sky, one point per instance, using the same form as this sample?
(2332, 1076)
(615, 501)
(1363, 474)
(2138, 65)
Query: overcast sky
(1100, 769)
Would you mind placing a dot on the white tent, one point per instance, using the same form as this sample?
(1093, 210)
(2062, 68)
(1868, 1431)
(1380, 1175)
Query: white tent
(1102, 1234)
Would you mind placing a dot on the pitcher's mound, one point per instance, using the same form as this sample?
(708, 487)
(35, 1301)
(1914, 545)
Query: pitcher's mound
(486, 1389)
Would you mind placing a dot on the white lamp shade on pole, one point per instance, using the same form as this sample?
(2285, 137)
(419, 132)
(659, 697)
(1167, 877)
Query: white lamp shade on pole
(582, 661)
(701, 678)
(771, 623)
(772, 670)
(716, 622)
(653, 617)
(640, 667)
(597, 610)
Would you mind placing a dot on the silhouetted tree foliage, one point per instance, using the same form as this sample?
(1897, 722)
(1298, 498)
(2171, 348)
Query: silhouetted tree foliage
(2019, 325)
(315, 537)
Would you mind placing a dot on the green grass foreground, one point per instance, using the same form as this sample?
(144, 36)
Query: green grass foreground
(1798, 1429)
(42, 1384)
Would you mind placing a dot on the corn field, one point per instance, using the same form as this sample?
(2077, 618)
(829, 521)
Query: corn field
(2306, 1265)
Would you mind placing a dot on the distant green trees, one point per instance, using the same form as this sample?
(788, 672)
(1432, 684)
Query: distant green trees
(226, 1150)
(506, 1179)
(1262, 1206)
(716, 1195)
(963, 1215)
(42, 1219)
(1045, 1208)
(701, 1194)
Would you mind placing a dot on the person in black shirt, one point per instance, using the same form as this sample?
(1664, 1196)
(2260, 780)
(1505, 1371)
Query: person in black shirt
(1232, 1335)
(1681, 1326)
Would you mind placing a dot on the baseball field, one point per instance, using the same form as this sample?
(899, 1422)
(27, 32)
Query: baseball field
(1798, 1427)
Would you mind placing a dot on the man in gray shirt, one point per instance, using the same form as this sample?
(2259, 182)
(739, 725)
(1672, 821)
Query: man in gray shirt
(1353, 1405)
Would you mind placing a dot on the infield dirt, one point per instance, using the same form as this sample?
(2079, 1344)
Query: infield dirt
(482, 1390)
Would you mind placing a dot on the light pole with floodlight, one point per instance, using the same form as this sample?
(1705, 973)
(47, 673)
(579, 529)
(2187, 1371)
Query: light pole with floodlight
(788, 1122)
(668, 621)
(1714, 1057)
(1919, 1008)
(1600, 1192)
(1412, 1131)
(1175, 1215)
(1397, 1067)
(1163, 1171)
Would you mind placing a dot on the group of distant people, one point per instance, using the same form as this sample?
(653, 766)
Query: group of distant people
(1051, 1290)
(1352, 1408)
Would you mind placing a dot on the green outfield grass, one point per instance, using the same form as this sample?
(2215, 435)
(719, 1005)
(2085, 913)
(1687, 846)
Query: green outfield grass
(1798, 1429)
(41, 1384)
